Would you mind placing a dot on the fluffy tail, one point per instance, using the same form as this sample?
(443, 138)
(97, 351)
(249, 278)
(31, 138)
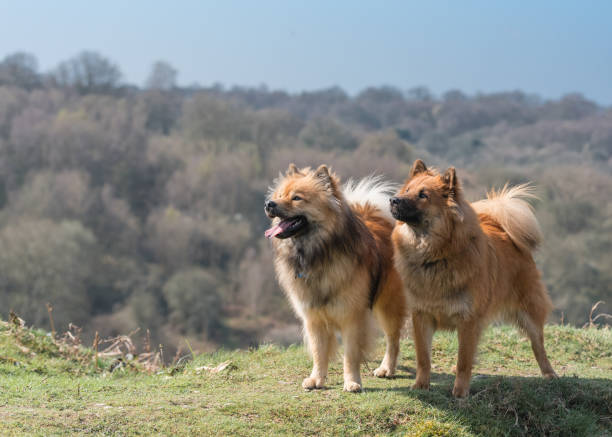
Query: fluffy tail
(514, 214)
(371, 190)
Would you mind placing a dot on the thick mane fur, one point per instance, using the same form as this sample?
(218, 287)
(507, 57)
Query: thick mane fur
(319, 251)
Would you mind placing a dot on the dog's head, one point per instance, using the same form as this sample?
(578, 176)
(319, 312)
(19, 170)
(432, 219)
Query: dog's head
(301, 201)
(428, 198)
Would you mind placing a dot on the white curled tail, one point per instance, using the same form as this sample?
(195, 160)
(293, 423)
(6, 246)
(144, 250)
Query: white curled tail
(373, 190)
(514, 214)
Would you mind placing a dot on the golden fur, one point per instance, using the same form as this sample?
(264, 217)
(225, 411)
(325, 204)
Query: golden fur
(339, 270)
(463, 265)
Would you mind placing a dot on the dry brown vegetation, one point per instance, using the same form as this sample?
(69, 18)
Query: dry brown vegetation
(129, 207)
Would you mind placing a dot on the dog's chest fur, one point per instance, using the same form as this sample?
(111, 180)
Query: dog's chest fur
(434, 285)
(314, 273)
(316, 287)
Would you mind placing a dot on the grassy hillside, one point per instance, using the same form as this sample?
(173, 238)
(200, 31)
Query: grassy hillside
(51, 388)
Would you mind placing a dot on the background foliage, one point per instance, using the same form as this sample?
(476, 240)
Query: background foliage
(128, 207)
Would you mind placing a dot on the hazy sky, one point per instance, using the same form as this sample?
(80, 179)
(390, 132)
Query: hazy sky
(546, 47)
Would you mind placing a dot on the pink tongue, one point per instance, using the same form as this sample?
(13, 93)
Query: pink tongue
(276, 229)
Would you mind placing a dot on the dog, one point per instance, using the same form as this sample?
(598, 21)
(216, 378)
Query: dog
(334, 261)
(464, 265)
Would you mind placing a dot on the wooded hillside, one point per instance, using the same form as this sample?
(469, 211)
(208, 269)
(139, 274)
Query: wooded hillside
(126, 207)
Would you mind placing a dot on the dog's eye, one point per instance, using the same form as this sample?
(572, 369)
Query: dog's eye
(422, 194)
(296, 198)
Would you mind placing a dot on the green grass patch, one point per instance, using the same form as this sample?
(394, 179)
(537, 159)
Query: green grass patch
(47, 390)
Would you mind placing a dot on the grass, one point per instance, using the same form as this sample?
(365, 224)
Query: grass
(46, 389)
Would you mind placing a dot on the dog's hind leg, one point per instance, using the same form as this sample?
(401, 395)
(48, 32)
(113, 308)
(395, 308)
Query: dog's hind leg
(528, 321)
(391, 310)
(391, 321)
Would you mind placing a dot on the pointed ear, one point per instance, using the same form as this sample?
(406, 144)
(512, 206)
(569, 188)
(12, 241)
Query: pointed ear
(450, 180)
(329, 180)
(417, 167)
(322, 172)
(293, 169)
(452, 184)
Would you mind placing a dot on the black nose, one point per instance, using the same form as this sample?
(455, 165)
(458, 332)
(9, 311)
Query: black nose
(394, 200)
(269, 204)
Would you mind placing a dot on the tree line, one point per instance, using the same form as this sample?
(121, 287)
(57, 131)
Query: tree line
(131, 207)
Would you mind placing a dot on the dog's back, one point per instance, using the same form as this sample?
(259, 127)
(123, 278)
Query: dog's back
(513, 231)
(371, 196)
(369, 200)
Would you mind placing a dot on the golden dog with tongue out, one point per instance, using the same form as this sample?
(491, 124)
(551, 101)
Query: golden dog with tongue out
(334, 260)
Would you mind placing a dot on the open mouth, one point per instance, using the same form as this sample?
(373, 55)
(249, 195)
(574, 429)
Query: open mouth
(287, 227)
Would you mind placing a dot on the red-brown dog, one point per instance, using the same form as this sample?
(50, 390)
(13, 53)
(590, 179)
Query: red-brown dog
(465, 264)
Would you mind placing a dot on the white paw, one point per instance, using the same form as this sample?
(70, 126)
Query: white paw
(384, 372)
(312, 383)
(352, 386)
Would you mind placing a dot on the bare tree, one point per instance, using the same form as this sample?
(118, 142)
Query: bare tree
(419, 93)
(88, 72)
(162, 105)
(162, 77)
(20, 69)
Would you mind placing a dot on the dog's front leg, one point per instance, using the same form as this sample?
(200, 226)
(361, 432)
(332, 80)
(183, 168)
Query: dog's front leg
(354, 337)
(320, 343)
(469, 334)
(423, 330)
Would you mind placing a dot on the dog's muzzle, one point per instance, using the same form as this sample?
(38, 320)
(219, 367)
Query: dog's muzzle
(270, 207)
(405, 210)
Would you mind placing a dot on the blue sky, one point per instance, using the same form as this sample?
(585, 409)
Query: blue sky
(545, 47)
